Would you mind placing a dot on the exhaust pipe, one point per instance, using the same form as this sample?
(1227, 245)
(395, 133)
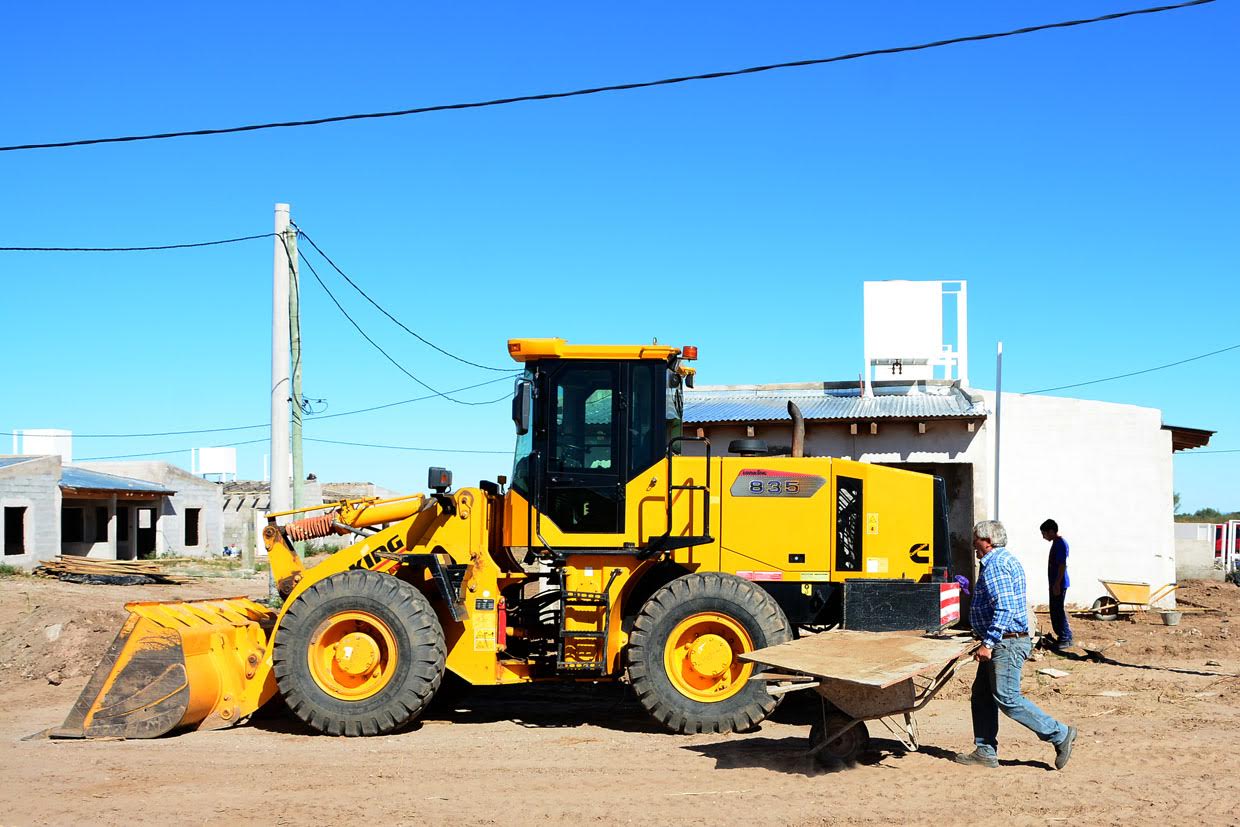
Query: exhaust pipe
(798, 429)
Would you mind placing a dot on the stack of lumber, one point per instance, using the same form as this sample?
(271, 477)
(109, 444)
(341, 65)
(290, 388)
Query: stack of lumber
(88, 567)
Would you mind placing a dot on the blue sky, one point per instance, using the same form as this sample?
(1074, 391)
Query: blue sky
(1083, 181)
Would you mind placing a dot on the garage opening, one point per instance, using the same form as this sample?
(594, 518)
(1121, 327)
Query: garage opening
(958, 479)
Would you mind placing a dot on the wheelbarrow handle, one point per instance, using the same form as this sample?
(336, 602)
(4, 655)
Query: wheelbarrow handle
(1163, 592)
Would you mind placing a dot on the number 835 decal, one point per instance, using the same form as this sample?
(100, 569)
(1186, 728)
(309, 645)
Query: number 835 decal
(755, 482)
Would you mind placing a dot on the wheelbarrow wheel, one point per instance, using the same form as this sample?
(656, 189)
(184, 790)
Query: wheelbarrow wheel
(845, 747)
(1105, 608)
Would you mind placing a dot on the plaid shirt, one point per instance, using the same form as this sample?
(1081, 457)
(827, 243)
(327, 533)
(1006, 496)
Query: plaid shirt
(999, 604)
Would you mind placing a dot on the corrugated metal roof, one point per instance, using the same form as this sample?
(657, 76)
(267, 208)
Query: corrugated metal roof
(766, 405)
(73, 477)
(5, 462)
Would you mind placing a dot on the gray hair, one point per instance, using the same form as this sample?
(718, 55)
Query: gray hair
(993, 531)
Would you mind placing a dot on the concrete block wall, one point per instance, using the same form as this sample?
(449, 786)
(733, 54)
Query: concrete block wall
(191, 492)
(34, 485)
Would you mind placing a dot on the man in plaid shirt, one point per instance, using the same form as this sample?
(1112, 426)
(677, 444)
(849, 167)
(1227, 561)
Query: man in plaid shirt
(1000, 619)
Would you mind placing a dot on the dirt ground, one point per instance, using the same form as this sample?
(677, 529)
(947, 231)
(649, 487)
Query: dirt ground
(1157, 708)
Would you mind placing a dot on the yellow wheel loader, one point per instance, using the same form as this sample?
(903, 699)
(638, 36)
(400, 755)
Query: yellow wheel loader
(621, 547)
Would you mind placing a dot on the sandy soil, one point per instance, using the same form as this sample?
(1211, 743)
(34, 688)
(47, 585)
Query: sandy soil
(1159, 729)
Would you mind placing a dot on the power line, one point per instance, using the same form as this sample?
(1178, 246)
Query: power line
(313, 418)
(299, 405)
(1136, 372)
(307, 439)
(131, 249)
(383, 310)
(621, 87)
(173, 451)
(376, 345)
(404, 447)
(1219, 451)
(423, 398)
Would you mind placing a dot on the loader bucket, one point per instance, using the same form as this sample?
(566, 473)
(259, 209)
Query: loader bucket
(173, 665)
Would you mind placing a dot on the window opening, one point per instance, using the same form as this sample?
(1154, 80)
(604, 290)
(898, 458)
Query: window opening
(71, 529)
(192, 517)
(101, 524)
(15, 530)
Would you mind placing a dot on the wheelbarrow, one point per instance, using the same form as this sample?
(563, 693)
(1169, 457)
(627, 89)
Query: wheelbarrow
(1124, 597)
(863, 676)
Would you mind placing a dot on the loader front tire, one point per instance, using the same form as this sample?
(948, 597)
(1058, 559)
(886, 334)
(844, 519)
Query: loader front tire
(359, 653)
(683, 654)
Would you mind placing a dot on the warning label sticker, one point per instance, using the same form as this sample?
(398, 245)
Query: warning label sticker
(484, 633)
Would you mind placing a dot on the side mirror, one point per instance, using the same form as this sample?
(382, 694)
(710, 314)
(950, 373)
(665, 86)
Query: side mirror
(523, 406)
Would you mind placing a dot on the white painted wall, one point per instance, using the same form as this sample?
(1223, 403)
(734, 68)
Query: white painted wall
(1102, 471)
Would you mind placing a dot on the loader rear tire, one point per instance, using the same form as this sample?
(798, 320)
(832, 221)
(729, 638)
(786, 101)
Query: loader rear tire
(359, 653)
(683, 653)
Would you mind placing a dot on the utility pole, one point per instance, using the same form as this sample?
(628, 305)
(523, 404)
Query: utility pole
(998, 419)
(294, 322)
(280, 390)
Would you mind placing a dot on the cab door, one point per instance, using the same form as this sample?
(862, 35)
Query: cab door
(582, 486)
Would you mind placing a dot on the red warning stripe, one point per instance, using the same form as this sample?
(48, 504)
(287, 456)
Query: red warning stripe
(949, 602)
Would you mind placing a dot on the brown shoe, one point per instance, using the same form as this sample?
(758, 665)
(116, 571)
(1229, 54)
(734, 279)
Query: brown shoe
(977, 759)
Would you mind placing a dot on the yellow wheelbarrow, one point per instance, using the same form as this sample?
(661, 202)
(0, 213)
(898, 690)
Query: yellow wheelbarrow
(1125, 597)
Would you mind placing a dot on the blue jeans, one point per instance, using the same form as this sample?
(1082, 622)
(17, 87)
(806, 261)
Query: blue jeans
(997, 686)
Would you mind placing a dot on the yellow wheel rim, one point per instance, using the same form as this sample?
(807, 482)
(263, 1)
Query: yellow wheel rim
(352, 655)
(702, 657)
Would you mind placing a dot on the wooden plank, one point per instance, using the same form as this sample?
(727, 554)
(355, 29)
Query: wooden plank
(89, 565)
(876, 659)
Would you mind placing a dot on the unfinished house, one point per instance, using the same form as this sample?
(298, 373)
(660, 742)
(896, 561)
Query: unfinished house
(48, 508)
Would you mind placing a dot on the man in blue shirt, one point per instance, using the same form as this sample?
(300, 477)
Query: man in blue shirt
(1000, 619)
(1057, 580)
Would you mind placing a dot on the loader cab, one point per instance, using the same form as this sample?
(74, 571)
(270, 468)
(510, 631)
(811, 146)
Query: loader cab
(589, 420)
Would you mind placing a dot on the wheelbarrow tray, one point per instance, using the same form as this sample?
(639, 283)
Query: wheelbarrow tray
(1136, 594)
(864, 676)
(874, 659)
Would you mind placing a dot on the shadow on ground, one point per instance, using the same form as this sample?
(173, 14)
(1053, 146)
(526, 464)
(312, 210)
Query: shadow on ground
(791, 755)
(1096, 656)
(610, 706)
